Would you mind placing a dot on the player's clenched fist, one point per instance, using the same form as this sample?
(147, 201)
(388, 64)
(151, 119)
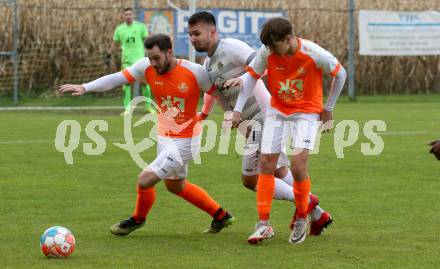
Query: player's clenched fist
(74, 89)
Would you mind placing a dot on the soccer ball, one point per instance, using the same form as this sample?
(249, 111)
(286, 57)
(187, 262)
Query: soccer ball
(57, 241)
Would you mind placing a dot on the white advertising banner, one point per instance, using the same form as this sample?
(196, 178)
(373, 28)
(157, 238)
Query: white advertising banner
(399, 33)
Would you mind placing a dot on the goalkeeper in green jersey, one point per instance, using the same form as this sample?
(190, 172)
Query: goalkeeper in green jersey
(131, 35)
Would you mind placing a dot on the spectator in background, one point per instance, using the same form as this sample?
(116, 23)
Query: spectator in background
(131, 35)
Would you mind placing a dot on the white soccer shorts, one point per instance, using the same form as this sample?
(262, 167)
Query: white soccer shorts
(173, 156)
(252, 151)
(301, 128)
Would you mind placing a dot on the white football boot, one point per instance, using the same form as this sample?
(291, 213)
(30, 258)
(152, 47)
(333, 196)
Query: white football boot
(262, 232)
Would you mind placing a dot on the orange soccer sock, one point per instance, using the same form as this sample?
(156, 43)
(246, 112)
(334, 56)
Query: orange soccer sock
(201, 199)
(144, 201)
(265, 191)
(301, 189)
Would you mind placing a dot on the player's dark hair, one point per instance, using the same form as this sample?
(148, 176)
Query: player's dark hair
(129, 9)
(202, 16)
(161, 40)
(275, 29)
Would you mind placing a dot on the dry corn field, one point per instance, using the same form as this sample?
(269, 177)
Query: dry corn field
(64, 41)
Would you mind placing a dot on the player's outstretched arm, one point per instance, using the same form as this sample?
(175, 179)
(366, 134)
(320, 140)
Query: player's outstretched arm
(326, 115)
(101, 84)
(208, 104)
(76, 90)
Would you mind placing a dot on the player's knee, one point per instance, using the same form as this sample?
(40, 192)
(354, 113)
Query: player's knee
(174, 186)
(249, 182)
(145, 179)
(142, 180)
(299, 167)
(268, 164)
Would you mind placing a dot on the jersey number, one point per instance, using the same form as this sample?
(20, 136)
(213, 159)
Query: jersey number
(171, 101)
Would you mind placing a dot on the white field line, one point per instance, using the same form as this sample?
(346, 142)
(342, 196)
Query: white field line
(13, 142)
(42, 108)
(52, 141)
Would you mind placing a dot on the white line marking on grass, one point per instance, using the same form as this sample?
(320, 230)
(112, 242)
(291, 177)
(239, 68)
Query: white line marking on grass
(31, 108)
(49, 141)
(401, 133)
(405, 133)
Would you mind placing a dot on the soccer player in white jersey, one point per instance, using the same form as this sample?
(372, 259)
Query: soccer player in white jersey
(176, 85)
(228, 58)
(295, 68)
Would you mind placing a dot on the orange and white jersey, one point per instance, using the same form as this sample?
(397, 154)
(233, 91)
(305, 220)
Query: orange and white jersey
(176, 93)
(295, 81)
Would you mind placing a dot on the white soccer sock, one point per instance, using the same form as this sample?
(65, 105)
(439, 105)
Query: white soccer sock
(283, 191)
(263, 222)
(317, 213)
(288, 179)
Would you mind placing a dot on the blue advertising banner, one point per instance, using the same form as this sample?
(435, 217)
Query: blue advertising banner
(234, 23)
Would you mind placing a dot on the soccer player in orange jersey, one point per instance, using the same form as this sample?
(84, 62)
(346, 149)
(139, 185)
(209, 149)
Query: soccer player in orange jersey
(176, 85)
(295, 68)
(228, 58)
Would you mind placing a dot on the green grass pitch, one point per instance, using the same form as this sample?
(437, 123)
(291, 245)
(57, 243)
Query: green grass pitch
(385, 207)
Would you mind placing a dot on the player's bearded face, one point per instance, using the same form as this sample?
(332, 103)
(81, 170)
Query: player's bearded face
(160, 60)
(165, 64)
(201, 36)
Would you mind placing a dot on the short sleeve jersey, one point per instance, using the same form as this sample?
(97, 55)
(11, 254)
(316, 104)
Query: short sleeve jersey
(295, 81)
(176, 92)
(131, 38)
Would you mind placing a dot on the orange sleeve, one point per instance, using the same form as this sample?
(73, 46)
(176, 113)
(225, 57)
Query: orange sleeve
(211, 90)
(336, 70)
(252, 72)
(128, 76)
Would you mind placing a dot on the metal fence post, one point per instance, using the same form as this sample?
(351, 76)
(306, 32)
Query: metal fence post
(136, 85)
(351, 48)
(192, 5)
(15, 57)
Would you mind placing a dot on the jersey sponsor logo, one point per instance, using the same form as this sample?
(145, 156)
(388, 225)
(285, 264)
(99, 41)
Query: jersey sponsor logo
(220, 66)
(169, 102)
(279, 68)
(291, 89)
(157, 82)
(301, 71)
(183, 87)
